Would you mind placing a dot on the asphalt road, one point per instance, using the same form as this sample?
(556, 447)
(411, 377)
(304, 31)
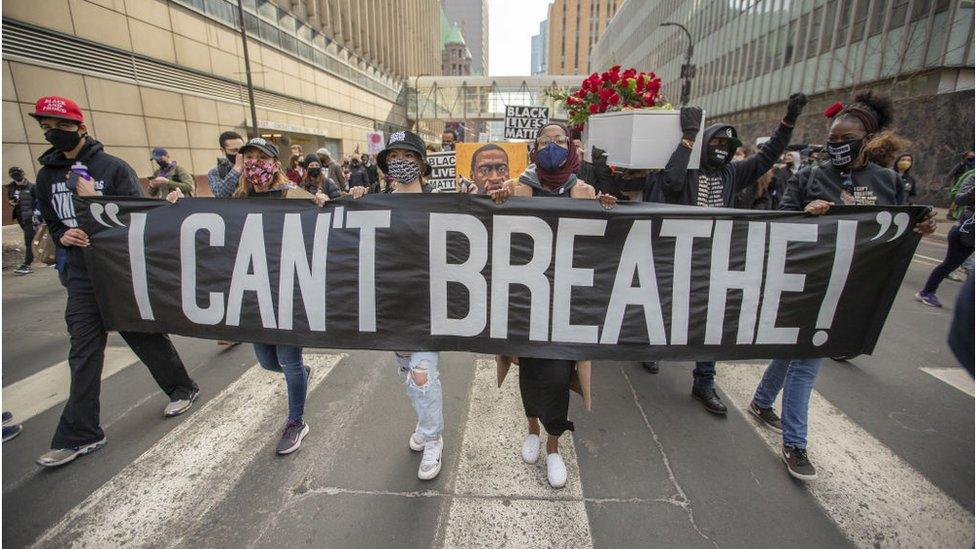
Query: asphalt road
(648, 466)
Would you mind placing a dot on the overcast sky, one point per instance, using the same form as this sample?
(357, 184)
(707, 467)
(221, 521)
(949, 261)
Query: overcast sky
(511, 25)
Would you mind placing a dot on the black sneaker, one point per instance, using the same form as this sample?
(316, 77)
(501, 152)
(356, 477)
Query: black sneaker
(181, 401)
(10, 431)
(797, 463)
(7, 417)
(291, 439)
(651, 367)
(709, 398)
(24, 269)
(767, 416)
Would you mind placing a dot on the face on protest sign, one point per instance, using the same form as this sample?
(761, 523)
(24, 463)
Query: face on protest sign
(542, 277)
(488, 165)
(524, 122)
(442, 174)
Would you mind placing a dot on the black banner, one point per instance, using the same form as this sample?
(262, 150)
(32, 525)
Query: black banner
(546, 277)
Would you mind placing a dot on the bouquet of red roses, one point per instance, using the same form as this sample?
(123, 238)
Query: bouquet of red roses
(611, 91)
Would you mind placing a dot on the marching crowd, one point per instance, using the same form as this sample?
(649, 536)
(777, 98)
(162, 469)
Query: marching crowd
(852, 168)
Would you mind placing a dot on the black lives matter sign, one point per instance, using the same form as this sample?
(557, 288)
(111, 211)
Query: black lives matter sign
(442, 171)
(524, 122)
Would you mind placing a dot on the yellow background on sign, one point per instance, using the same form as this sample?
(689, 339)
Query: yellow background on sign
(518, 157)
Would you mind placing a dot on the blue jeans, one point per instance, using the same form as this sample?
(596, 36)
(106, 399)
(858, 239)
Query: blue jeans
(704, 374)
(795, 377)
(287, 359)
(427, 399)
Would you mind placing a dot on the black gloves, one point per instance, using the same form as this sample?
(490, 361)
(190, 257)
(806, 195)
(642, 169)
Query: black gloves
(598, 155)
(794, 107)
(691, 118)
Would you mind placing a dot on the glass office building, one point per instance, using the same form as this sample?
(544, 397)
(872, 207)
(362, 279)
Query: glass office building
(752, 54)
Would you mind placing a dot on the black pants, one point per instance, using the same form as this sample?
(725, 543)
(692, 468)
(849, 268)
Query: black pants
(79, 424)
(956, 254)
(28, 228)
(544, 384)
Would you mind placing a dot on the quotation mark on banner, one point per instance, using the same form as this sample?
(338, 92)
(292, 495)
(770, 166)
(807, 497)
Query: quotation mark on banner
(110, 210)
(885, 220)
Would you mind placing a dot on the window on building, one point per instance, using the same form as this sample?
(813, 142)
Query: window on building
(898, 12)
(860, 18)
(941, 5)
(878, 16)
(816, 21)
(789, 42)
(920, 9)
(828, 27)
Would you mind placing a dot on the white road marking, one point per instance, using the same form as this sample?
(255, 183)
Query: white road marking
(925, 260)
(502, 501)
(875, 497)
(189, 471)
(49, 387)
(956, 377)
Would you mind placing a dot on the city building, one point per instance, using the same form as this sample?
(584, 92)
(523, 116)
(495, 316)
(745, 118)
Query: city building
(472, 17)
(540, 49)
(171, 73)
(751, 55)
(574, 28)
(455, 55)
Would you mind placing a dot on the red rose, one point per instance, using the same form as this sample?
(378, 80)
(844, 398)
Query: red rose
(578, 127)
(630, 73)
(605, 94)
(614, 99)
(649, 99)
(832, 110)
(640, 84)
(605, 77)
(594, 108)
(615, 68)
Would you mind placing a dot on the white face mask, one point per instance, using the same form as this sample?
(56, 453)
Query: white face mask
(403, 170)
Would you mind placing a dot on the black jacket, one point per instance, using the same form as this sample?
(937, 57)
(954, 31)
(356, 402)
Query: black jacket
(24, 199)
(676, 184)
(358, 176)
(112, 177)
(870, 185)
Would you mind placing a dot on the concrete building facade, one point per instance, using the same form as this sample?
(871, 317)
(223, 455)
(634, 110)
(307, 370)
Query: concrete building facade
(472, 17)
(540, 50)
(170, 73)
(751, 55)
(574, 28)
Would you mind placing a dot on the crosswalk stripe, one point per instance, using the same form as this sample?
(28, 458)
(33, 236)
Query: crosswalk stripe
(955, 377)
(189, 471)
(875, 497)
(507, 502)
(49, 387)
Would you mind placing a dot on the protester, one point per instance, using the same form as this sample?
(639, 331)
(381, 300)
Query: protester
(958, 174)
(333, 170)
(849, 178)
(448, 139)
(960, 241)
(961, 340)
(77, 165)
(224, 177)
(296, 171)
(715, 184)
(405, 159)
(902, 165)
(358, 176)
(545, 383)
(10, 429)
(759, 196)
(263, 177)
(21, 196)
(168, 176)
(374, 174)
(741, 152)
(316, 181)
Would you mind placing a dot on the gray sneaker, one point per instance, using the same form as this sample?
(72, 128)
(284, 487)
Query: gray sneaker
(181, 403)
(291, 439)
(62, 456)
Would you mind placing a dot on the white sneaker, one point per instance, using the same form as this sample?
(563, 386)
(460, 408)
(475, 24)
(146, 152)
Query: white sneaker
(557, 470)
(430, 464)
(530, 449)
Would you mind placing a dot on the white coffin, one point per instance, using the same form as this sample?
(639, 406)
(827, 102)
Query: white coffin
(638, 139)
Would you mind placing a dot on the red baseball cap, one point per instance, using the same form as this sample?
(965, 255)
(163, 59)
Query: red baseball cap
(53, 106)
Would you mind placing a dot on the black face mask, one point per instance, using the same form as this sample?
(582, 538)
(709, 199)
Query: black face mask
(18, 177)
(314, 172)
(716, 157)
(231, 158)
(843, 153)
(162, 164)
(63, 140)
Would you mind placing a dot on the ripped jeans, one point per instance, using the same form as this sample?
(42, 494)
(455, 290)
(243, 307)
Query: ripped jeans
(425, 395)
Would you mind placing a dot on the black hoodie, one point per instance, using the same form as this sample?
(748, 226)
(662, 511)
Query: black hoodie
(112, 177)
(676, 184)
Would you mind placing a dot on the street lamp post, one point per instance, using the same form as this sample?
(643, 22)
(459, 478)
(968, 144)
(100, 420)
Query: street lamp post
(247, 71)
(687, 70)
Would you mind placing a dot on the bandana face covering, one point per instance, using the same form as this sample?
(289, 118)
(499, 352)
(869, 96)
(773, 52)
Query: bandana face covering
(843, 153)
(403, 170)
(259, 173)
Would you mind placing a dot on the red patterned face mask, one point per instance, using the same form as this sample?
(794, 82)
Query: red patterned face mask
(259, 172)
